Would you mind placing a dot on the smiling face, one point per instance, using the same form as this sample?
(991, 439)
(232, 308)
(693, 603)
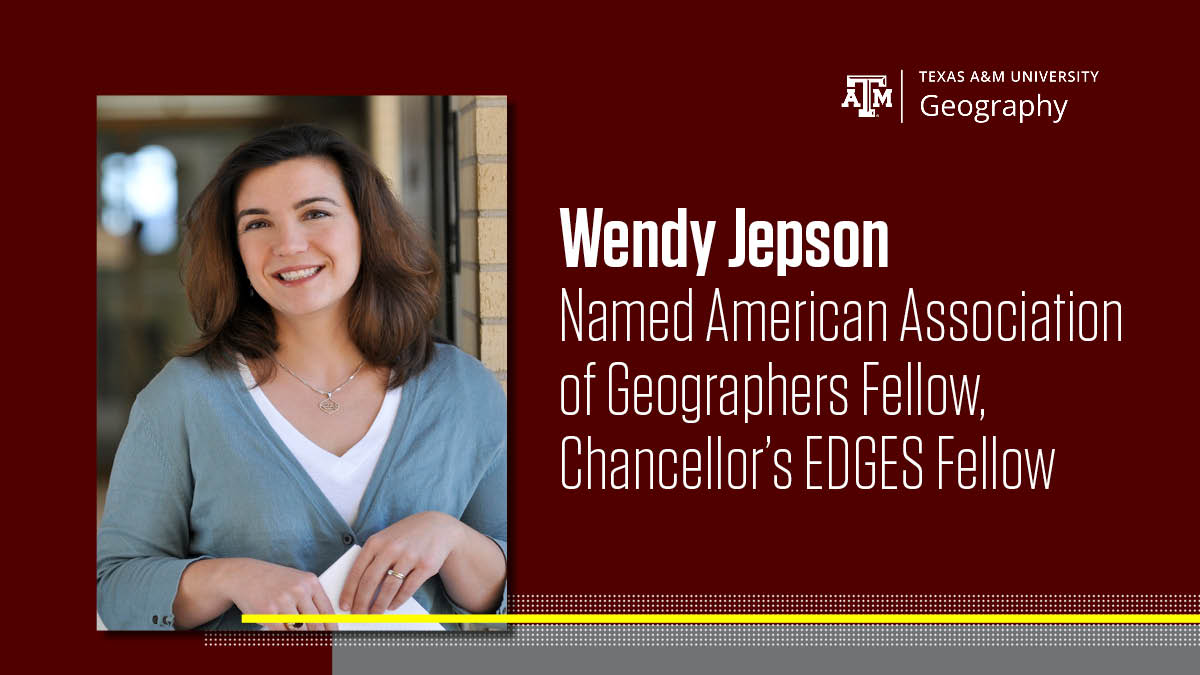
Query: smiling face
(298, 236)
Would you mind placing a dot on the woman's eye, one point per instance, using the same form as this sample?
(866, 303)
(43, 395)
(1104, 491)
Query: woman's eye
(254, 225)
(316, 213)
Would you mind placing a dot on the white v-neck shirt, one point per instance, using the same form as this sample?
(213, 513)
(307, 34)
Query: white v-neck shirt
(343, 479)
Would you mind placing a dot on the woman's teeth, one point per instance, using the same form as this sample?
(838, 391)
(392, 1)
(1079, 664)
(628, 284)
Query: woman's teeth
(295, 275)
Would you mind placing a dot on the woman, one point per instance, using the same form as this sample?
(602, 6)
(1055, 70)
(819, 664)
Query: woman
(314, 413)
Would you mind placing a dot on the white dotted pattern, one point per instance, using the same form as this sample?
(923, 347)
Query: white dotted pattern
(266, 639)
(766, 635)
(795, 635)
(853, 603)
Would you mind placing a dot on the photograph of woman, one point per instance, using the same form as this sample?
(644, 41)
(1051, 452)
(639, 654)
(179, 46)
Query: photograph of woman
(315, 412)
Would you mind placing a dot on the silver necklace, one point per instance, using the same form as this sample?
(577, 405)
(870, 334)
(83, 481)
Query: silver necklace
(327, 404)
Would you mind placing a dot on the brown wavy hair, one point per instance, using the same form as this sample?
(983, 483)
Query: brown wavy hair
(393, 300)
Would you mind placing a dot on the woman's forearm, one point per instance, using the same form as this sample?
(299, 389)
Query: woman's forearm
(202, 594)
(474, 573)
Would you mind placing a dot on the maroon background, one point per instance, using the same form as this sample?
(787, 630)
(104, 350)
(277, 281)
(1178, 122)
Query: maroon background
(642, 113)
(1093, 204)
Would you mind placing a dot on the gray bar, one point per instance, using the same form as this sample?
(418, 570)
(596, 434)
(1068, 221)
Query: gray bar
(742, 660)
(775, 635)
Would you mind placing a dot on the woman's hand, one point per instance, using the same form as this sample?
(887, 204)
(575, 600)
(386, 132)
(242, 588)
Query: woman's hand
(258, 587)
(415, 547)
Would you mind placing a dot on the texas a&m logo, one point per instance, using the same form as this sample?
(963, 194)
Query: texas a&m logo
(868, 93)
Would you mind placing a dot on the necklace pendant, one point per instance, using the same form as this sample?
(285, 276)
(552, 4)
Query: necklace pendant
(329, 406)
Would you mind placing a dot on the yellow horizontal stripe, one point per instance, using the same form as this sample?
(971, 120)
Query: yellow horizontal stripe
(723, 618)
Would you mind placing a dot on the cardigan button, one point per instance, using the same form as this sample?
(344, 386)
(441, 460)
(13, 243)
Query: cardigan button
(347, 539)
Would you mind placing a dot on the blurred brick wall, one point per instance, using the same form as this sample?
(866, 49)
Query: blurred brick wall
(483, 229)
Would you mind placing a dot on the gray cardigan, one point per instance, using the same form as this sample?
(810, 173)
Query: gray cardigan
(200, 473)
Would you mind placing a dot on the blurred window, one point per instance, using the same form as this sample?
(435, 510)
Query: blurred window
(141, 189)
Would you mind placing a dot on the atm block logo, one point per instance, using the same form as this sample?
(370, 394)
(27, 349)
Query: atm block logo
(867, 93)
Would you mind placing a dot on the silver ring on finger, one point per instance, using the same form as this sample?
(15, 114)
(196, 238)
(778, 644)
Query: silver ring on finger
(394, 573)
